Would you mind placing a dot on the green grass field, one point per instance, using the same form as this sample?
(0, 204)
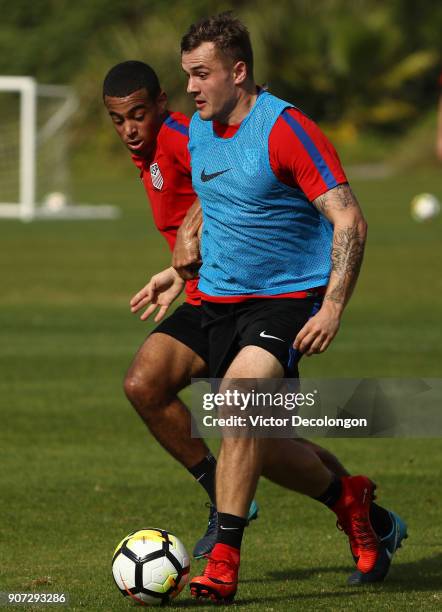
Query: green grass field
(79, 471)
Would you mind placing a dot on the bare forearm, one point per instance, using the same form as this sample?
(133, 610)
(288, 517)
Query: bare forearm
(347, 254)
(191, 224)
(341, 208)
(186, 255)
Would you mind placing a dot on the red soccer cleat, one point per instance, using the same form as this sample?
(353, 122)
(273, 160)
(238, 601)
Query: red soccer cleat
(220, 577)
(353, 511)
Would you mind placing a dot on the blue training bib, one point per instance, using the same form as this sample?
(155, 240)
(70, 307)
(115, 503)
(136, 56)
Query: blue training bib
(259, 235)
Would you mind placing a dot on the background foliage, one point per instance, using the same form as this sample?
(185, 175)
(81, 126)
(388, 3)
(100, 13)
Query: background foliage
(353, 64)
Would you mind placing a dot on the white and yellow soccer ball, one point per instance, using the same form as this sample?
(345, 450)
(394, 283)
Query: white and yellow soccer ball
(151, 566)
(424, 207)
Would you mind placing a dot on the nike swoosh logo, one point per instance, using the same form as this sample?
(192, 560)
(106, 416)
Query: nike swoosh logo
(264, 335)
(389, 554)
(208, 177)
(229, 528)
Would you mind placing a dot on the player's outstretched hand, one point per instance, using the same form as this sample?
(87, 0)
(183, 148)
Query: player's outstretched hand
(162, 289)
(318, 332)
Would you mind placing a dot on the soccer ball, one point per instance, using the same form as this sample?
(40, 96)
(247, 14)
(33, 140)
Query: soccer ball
(151, 566)
(424, 206)
(54, 201)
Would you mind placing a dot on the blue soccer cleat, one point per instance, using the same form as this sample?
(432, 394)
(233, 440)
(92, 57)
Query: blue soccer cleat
(387, 547)
(253, 512)
(204, 546)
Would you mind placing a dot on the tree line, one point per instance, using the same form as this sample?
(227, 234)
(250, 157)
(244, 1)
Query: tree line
(367, 63)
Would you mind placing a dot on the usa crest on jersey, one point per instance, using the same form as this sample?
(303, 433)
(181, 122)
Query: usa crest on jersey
(251, 162)
(156, 176)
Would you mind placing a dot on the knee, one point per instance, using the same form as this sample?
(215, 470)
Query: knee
(143, 391)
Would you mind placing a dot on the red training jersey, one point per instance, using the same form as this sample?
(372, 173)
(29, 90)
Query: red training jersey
(167, 180)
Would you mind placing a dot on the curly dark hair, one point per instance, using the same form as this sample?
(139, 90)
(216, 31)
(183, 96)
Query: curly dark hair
(228, 34)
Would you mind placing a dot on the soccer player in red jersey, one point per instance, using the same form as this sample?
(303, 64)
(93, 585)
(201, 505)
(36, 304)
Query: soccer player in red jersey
(218, 59)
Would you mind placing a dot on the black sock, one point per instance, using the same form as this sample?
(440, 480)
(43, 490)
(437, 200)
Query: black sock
(381, 520)
(230, 529)
(204, 473)
(332, 493)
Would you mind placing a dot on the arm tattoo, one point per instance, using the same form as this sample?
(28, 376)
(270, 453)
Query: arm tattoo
(347, 254)
(340, 197)
(340, 207)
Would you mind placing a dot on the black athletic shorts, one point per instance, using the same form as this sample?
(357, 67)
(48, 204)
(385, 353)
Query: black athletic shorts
(272, 324)
(185, 325)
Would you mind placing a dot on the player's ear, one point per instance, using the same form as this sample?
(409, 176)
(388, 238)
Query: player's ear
(162, 101)
(239, 72)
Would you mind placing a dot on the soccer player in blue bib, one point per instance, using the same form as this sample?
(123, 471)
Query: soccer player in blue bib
(282, 244)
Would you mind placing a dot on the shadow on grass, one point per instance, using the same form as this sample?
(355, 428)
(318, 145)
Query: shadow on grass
(263, 600)
(201, 605)
(421, 575)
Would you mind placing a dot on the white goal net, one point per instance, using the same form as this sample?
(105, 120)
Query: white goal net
(34, 153)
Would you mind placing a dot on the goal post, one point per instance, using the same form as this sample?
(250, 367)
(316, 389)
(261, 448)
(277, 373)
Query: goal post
(26, 87)
(34, 165)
